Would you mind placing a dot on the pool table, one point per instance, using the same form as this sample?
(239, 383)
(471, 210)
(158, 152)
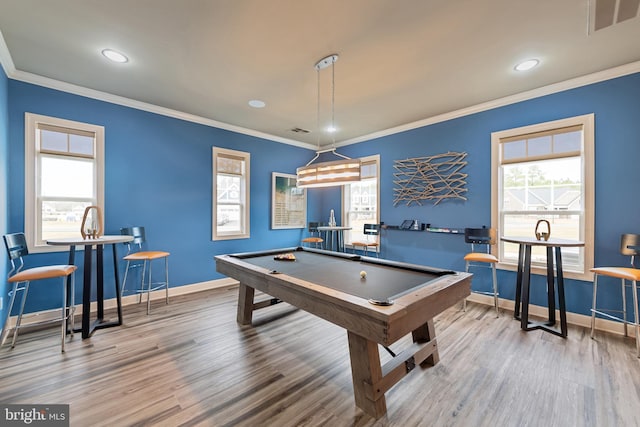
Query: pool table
(392, 300)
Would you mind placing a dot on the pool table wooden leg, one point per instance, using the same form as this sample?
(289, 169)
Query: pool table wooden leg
(245, 304)
(366, 371)
(426, 333)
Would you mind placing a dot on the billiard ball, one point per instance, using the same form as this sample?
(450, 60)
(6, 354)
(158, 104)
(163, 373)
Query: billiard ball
(363, 274)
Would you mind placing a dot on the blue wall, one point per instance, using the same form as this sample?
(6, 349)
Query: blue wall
(616, 104)
(4, 182)
(158, 174)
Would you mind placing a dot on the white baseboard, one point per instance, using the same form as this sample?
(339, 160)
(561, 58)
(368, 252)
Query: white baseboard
(51, 315)
(534, 310)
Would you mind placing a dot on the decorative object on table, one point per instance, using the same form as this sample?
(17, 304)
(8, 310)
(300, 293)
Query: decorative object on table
(92, 229)
(434, 178)
(543, 235)
(333, 173)
(332, 219)
(288, 202)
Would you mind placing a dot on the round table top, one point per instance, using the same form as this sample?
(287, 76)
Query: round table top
(332, 228)
(555, 242)
(102, 240)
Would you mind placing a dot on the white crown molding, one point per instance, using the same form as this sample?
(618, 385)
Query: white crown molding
(12, 73)
(588, 79)
(127, 102)
(5, 57)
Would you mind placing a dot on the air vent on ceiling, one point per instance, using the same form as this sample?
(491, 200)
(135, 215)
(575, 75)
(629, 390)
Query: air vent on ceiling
(605, 13)
(299, 130)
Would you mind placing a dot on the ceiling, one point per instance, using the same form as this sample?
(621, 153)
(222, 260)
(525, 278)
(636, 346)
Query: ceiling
(400, 62)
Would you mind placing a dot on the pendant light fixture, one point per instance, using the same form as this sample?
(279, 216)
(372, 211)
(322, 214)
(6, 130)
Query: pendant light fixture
(332, 173)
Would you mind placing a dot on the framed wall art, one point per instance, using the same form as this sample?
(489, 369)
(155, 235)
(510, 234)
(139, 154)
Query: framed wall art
(288, 202)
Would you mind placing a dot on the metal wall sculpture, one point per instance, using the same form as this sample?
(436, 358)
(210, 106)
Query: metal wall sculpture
(433, 178)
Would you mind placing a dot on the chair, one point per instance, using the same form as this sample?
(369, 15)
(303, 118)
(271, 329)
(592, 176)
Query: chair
(484, 238)
(16, 245)
(143, 259)
(629, 246)
(368, 231)
(314, 235)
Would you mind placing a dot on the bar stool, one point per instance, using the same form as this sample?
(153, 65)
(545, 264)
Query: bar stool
(143, 259)
(314, 235)
(369, 230)
(16, 245)
(485, 237)
(629, 246)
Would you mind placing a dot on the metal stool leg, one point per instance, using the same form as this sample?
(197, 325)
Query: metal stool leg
(148, 289)
(63, 319)
(635, 311)
(464, 301)
(593, 305)
(166, 279)
(495, 289)
(17, 327)
(624, 306)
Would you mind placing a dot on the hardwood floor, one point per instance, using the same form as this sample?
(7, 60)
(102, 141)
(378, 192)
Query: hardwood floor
(189, 364)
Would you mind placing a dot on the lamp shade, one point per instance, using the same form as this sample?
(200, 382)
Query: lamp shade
(327, 174)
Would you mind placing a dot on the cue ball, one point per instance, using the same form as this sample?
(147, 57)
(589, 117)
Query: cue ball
(363, 274)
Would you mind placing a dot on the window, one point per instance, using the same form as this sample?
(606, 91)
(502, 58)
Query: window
(64, 173)
(360, 200)
(545, 171)
(231, 194)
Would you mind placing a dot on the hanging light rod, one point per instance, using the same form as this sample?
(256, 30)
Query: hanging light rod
(326, 62)
(333, 173)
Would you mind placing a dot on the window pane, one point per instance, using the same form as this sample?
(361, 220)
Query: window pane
(79, 144)
(539, 146)
(567, 142)
(548, 185)
(362, 207)
(62, 219)
(53, 141)
(229, 190)
(514, 150)
(64, 177)
(228, 217)
(563, 226)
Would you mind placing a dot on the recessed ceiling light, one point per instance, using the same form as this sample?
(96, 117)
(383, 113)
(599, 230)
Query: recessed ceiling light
(526, 65)
(115, 56)
(332, 129)
(256, 103)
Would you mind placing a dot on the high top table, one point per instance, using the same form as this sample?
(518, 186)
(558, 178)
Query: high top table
(87, 327)
(524, 280)
(333, 234)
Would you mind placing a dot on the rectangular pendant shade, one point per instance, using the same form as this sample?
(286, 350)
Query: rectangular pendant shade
(327, 174)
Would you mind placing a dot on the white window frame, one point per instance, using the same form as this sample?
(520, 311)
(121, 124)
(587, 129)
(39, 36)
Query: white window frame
(345, 214)
(245, 194)
(32, 215)
(587, 122)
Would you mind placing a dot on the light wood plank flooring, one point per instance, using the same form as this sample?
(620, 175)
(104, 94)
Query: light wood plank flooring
(189, 364)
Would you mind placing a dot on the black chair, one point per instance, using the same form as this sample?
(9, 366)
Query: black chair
(141, 259)
(16, 245)
(483, 238)
(314, 235)
(369, 231)
(629, 246)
